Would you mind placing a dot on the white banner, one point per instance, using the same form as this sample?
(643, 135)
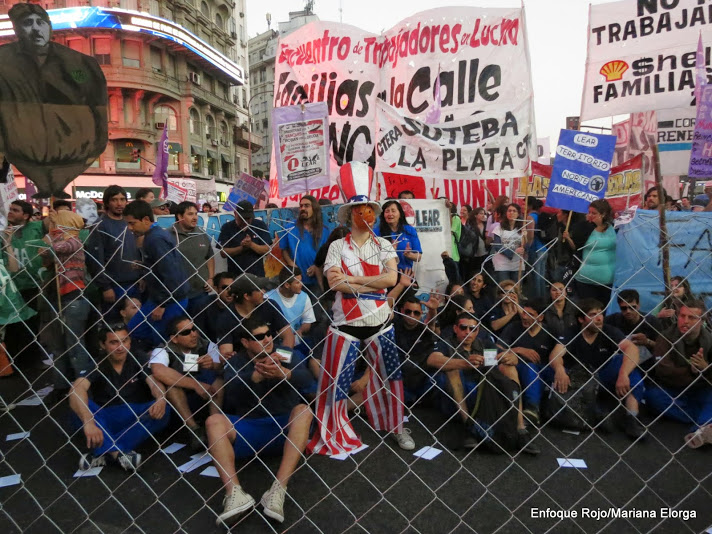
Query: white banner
(180, 190)
(675, 130)
(484, 67)
(641, 55)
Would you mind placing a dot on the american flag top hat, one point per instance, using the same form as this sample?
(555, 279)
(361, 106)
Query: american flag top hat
(356, 180)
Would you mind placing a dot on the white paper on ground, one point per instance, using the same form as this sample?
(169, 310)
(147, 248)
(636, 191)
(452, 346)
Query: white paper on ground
(210, 472)
(16, 436)
(94, 471)
(571, 462)
(572, 432)
(344, 455)
(173, 447)
(194, 463)
(33, 400)
(427, 453)
(10, 480)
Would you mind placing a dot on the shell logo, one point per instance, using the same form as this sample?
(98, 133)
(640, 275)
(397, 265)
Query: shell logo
(613, 70)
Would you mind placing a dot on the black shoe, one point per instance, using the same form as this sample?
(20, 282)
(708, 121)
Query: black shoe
(525, 442)
(604, 422)
(531, 413)
(632, 426)
(198, 439)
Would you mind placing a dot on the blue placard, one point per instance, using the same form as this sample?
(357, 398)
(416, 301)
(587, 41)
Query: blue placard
(581, 169)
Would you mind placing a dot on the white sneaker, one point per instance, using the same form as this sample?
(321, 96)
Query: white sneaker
(273, 501)
(235, 504)
(404, 440)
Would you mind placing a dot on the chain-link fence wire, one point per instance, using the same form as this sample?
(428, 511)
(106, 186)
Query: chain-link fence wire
(484, 477)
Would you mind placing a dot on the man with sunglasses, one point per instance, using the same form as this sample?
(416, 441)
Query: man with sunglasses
(189, 367)
(267, 416)
(208, 319)
(641, 330)
(415, 342)
(459, 362)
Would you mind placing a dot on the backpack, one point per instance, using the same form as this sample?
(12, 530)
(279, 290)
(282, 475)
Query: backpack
(548, 227)
(575, 409)
(495, 412)
(467, 245)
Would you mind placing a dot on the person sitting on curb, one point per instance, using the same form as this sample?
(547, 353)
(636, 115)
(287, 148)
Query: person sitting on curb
(126, 406)
(268, 416)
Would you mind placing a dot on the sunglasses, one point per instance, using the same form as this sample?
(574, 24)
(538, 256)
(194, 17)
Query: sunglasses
(187, 331)
(470, 327)
(414, 313)
(224, 286)
(260, 337)
(623, 307)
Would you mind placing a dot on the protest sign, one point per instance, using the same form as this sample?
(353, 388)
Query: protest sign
(8, 194)
(641, 55)
(581, 168)
(624, 184)
(483, 63)
(251, 189)
(675, 130)
(639, 259)
(701, 154)
(181, 190)
(301, 147)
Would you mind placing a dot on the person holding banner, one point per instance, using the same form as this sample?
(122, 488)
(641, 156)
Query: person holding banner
(393, 226)
(595, 276)
(507, 241)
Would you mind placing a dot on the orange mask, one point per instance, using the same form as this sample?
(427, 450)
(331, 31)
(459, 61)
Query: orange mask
(363, 217)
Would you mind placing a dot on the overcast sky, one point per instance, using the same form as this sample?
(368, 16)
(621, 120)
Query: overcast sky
(556, 30)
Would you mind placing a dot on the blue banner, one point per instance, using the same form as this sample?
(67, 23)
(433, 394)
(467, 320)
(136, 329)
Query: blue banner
(581, 169)
(639, 259)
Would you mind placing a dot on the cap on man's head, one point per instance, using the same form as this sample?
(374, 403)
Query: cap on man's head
(19, 11)
(708, 183)
(245, 208)
(247, 283)
(700, 202)
(157, 203)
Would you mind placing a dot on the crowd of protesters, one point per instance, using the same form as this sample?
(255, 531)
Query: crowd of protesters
(144, 333)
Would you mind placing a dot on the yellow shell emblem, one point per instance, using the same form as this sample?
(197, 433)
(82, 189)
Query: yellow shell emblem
(613, 70)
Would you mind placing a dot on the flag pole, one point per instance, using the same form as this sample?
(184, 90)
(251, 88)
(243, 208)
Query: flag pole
(663, 244)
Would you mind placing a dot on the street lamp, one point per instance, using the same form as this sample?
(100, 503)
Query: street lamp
(249, 126)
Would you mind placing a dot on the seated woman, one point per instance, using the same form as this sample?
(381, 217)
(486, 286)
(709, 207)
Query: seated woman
(506, 309)
(478, 292)
(393, 227)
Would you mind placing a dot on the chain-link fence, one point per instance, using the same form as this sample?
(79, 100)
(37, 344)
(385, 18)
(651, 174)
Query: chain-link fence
(153, 388)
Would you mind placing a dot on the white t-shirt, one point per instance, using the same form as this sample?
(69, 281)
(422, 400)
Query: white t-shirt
(511, 239)
(159, 355)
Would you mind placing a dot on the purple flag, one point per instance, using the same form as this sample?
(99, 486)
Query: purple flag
(30, 189)
(432, 116)
(160, 173)
(701, 153)
(701, 78)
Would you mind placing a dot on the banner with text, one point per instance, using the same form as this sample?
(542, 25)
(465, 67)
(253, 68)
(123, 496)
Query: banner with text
(581, 168)
(701, 154)
(675, 130)
(641, 55)
(181, 190)
(624, 184)
(484, 67)
(255, 190)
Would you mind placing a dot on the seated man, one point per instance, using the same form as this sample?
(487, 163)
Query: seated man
(188, 366)
(457, 361)
(604, 351)
(249, 299)
(209, 319)
(268, 416)
(535, 348)
(126, 406)
(682, 385)
(643, 331)
(415, 343)
(295, 304)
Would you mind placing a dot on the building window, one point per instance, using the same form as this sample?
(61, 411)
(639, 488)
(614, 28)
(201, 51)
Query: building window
(205, 10)
(224, 137)
(156, 63)
(210, 132)
(131, 54)
(219, 21)
(265, 124)
(238, 165)
(226, 174)
(102, 50)
(129, 4)
(197, 163)
(170, 65)
(165, 114)
(124, 151)
(194, 121)
(212, 164)
(75, 44)
(155, 8)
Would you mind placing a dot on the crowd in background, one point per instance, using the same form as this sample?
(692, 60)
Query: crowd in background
(140, 327)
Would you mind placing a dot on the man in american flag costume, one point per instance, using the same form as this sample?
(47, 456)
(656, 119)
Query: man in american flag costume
(359, 269)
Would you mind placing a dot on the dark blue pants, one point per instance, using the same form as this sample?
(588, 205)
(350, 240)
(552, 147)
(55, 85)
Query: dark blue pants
(141, 326)
(608, 375)
(691, 405)
(125, 426)
(531, 378)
